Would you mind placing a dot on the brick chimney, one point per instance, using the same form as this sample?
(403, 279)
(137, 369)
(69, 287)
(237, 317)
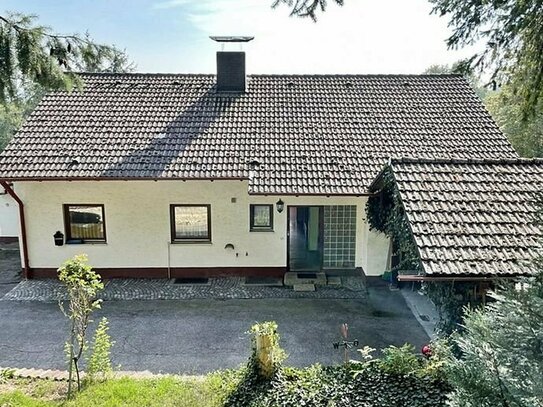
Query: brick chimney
(231, 65)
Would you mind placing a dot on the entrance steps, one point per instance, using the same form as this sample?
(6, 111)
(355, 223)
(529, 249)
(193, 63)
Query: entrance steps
(304, 279)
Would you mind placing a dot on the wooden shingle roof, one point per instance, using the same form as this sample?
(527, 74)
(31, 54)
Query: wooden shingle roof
(288, 134)
(472, 217)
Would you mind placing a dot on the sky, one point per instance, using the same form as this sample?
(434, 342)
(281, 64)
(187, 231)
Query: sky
(363, 36)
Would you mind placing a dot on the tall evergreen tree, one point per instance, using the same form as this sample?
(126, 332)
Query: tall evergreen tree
(306, 8)
(500, 360)
(32, 53)
(34, 59)
(512, 31)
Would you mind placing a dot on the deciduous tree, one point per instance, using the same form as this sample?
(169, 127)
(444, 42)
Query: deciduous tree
(526, 135)
(82, 285)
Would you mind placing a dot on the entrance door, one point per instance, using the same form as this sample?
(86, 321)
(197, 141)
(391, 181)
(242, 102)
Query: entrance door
(305, 238)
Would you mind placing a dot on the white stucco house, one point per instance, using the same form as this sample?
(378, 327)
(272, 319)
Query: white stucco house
(169, 175)
(9, 218)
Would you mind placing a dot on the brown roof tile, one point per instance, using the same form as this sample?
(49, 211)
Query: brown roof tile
(472, 216)
(289, 134)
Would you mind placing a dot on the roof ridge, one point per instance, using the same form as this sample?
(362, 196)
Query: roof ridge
(284, 75)
(152, 74)
(414, 160)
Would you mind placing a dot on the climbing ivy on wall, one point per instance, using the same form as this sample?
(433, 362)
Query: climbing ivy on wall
(386, 214)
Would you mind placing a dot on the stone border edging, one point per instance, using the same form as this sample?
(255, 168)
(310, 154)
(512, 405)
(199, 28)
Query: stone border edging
(62, 375)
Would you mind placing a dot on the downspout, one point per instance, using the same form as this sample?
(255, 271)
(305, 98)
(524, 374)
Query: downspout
(24, 243)
(169, 262)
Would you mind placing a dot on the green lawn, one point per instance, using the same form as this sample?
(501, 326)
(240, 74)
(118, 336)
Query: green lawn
(315, 386)
(163, 392)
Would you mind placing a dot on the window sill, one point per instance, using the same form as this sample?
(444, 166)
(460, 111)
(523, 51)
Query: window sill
(182, 242)
(261, 230)
(76, 243)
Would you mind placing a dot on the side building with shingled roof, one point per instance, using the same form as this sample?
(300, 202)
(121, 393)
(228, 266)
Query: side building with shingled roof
(467, 219)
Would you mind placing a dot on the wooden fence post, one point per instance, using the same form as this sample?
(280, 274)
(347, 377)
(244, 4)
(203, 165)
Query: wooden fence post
(264, 355)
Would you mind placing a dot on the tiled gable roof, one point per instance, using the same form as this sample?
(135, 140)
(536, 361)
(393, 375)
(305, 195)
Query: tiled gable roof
(288, 134)
(472, 217)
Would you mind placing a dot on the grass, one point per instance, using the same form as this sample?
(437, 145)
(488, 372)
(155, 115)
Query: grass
(163, 392)
(316, 386)
(31, 392)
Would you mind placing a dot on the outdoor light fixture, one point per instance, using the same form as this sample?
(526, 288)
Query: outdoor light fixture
(280, 205)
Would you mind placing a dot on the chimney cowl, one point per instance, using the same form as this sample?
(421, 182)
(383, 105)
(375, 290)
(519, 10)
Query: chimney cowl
(231, 38)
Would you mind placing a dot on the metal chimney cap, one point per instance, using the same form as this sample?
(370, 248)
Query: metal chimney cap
(231, 38)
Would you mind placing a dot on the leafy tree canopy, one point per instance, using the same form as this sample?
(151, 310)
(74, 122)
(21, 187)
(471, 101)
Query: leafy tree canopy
(526, 135)
(33, 53)
(513, 35)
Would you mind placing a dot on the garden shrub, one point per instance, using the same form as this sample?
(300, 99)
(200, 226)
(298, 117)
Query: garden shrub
(99, 365)
(401, 361)
(6, 374)
(400, 378)
(334, 386)
(82, 285)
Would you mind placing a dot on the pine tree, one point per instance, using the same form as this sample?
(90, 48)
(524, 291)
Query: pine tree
(34, 60)
(512, 34)
(305, 8)
(500, 360)
(32, 53)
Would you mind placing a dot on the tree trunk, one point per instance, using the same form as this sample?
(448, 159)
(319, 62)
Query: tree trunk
(71, 359)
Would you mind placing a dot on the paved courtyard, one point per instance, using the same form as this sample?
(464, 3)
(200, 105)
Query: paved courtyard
(164, 289)
(10, 267)
(196, 336)
(201, 335)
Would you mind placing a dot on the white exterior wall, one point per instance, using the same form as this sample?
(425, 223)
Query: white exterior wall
(137, 217)
(9, 216)
(378, 246)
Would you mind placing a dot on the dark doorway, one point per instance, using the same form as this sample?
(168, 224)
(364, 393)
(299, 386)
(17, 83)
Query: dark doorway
(305, 238)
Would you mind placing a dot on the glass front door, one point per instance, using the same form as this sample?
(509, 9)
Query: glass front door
(305, 238)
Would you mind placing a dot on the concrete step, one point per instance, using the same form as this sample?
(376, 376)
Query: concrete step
(335, 281)
(300, 278)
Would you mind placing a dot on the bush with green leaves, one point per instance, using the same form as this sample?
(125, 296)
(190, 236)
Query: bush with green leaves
(336, 386)
(500, 358)
(400, 378)
(82, 285)
(399, 360)
(99, 365)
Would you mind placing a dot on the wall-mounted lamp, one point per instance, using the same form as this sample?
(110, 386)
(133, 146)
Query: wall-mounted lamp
(59, 238)
(280, 205)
